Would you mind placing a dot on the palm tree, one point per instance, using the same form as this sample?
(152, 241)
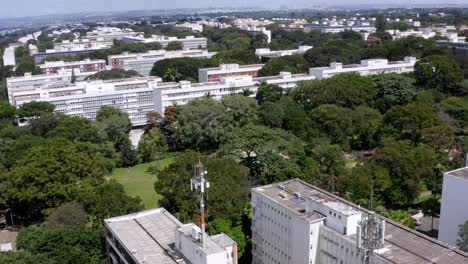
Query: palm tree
(172, 74)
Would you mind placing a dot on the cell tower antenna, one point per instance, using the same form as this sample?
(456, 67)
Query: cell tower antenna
(198, 185)
(370, 236)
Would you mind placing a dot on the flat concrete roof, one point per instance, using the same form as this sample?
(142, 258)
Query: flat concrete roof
(460, 173)
(149, 236)
(402, 244)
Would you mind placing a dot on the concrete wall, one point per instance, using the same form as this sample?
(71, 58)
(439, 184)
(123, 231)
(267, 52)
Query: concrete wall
(454, 208)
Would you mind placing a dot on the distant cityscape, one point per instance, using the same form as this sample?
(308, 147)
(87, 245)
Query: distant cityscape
(294, 134)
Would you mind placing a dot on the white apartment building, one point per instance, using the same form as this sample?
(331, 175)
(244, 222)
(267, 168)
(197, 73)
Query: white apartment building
(87, 65)
(134, 96)
(454, 42)
(82, 44)
(254, 31)
(9, 58)
(367, 67)
(183, 92)
(197, 27)
(226, 70)
(189, 42)
(144, 62)
(297, 223)
(31, 82)
(111, 33)
(397, 34)
(454, 205)
(267, 53)
(156, 237)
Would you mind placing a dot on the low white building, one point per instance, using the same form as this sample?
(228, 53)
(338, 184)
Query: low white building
(454, 42)
(9, 58)
(111, 33)
(87, 65)
(156, 237)
(189, 42)
(298, 223)
(196, 27)
(227, 70)
(82, 44)
(267, 53)
(397, 34)
(367, 67)
(454, 205)
(254, 31)
(144, 62)
(30, 82)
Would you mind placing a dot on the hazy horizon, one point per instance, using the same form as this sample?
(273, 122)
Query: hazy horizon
(25, 8)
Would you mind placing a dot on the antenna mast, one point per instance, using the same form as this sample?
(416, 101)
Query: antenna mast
(370, 236)
(198, 185)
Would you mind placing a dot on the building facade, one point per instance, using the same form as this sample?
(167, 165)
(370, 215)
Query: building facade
(87, 65)
(227, 70)
(367, 67)
(269, 54)
(297, 223)
(157, 237)
(83, 99)
(9, 58)
(454, 206)
(144, 62)
(189, 42)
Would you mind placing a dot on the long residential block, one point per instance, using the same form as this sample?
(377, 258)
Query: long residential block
(86, 65)
(144, 62)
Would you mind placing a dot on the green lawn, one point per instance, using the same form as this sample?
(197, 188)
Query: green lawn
(138, 182)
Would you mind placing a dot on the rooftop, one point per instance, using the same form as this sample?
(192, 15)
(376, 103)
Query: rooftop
(149, 235)
(402, 244)
(460, 173)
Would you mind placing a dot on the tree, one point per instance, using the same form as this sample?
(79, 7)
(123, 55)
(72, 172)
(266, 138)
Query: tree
(332, 122)
(113, 74)
(242, 109)
(172, 75)
(408, 121)
(26, 65)
(431, 207)
(344, 51)
(107, 200)
(268, 93)
(202, 124)
(186, 67)
(462, 240)
(175, 45)
(128, 153)
(457, 108)
(68, 214)
(438, 72)
(51, 174)
(270, 154)
(152, 146)
(7, 111)
(231, 228)
(291, 63)
(240, 56)
(35, 109)
(63, 244)
(407, 166)
(393, 89)
(113, 124)
(366, 126)
(346, 90)
(228, 182)
(368, 184)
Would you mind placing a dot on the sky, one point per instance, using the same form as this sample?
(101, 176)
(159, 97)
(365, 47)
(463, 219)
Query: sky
(21, 8)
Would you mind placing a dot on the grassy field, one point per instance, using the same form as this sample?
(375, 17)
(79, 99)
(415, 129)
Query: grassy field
(138, 182)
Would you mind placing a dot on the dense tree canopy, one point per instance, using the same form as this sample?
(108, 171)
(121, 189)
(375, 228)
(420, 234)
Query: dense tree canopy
(292, 64)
